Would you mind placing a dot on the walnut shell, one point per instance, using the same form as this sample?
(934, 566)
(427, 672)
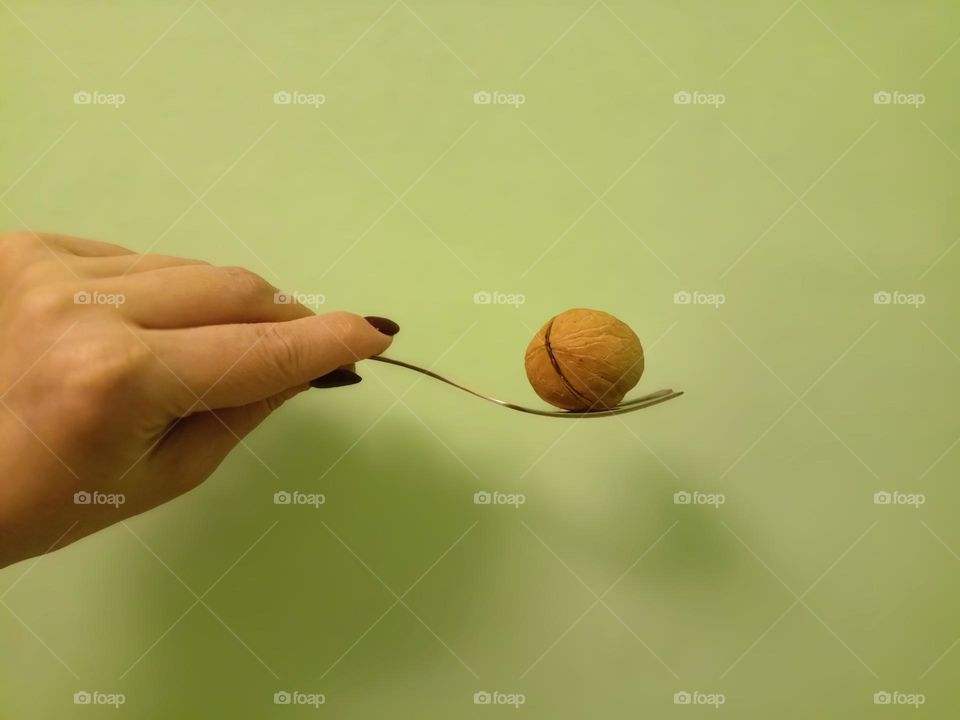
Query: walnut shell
(584, 360)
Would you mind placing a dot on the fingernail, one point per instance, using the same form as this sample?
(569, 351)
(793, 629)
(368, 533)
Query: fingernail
(387, 327)
(337, 378)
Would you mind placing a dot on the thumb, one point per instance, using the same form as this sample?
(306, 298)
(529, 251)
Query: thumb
(235, 365)
(196, 445)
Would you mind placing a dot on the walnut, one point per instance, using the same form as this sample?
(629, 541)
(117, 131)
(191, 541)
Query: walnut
(584, 360)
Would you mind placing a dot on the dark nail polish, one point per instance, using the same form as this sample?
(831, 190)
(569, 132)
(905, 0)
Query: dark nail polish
(387, 327)
(337, 378)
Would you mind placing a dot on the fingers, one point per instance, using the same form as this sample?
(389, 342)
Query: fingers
(120, 265)
(22, 248)
(192, 295)
(234, 365)
(82, 247)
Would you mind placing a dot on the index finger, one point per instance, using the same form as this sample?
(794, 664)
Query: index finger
(234, 365)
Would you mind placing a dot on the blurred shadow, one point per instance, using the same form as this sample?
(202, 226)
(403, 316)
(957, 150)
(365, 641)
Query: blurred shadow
(301, 600)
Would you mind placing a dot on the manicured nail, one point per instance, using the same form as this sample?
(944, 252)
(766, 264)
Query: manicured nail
(337, 378)
(387, 327)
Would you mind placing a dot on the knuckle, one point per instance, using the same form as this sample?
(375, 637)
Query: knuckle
(245, 282)
(42, 303)
(271, 404)
(98, 369)
(280, 350)
(18, 249)
(17, 237)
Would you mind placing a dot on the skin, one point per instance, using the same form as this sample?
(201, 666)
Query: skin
(145, 397)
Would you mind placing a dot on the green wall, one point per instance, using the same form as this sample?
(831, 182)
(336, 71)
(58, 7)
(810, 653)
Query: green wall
(794, 197)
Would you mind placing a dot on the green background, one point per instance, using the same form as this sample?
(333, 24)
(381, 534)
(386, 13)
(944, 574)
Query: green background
(797, 199)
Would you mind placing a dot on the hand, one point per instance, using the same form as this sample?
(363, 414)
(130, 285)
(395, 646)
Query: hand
(126, 379)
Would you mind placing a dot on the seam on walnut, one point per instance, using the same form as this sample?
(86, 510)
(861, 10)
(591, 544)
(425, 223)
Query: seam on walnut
(556, 366)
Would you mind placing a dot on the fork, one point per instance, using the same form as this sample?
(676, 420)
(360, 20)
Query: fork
(622, 409)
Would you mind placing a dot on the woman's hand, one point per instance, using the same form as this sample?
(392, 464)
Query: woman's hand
(126, 379)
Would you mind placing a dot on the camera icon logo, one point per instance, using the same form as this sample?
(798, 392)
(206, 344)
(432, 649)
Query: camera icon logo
(282, 298)
(281, 697)
(682, 298)
(282, 498)
(682, 698)
(82, 498)
(82, 98)
(482, 497)
(282, 97)
(682, 498)
(882, 698)
(482, 298)
(82, 698)
(482, 698)
(882, 98)
(882, 298)
(82, 298)
(882, 498)
(483, 97)
(682, 98)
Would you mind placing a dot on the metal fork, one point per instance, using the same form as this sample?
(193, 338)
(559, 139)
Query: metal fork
(622, 409)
